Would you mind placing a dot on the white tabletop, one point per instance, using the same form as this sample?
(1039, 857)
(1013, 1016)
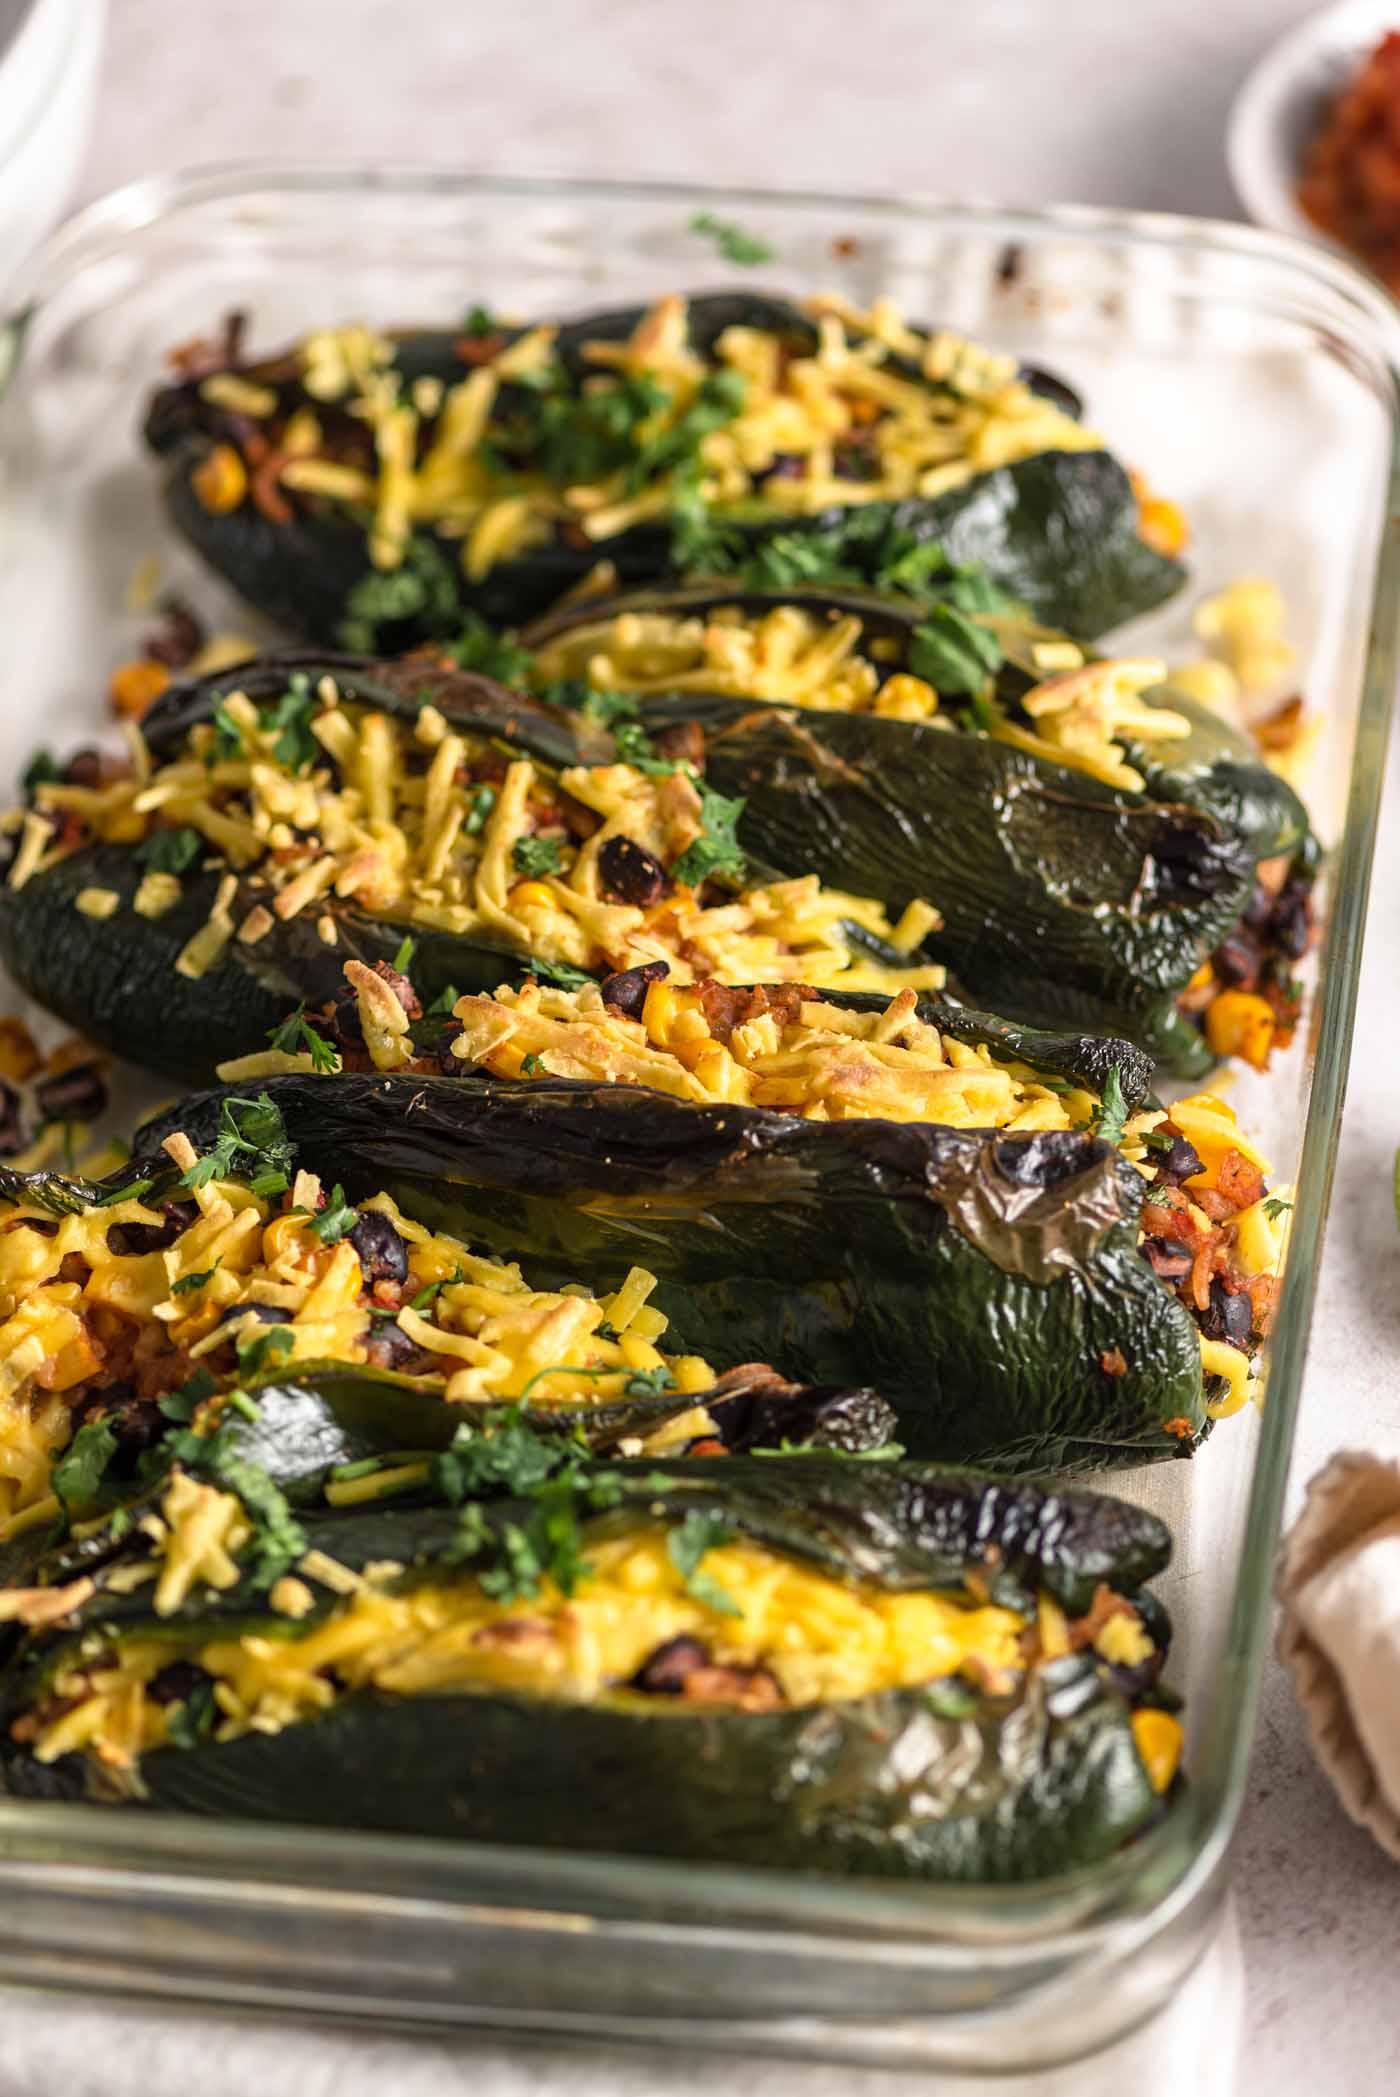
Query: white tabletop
(1096, 102)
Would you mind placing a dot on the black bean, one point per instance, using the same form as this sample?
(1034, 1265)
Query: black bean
(1259, 909)
(666, 1672)
(630, 872)
(388, 1346)
(1237, 958)
(1291, 923)
(177, 1682)
(1169, 1261)
(1227, 1317)
(132, 1238)
(265, 1313)
(178, 637)
(84, 768)
(79, 1094)
(383, 1253)
(626, 992)
(1181, 1162)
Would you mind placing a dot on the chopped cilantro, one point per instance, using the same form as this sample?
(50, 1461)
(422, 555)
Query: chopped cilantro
(296, 1033)
(953, 653)
(717, 850)
(504, 1455)
(531, 1066)
(171, 851)
(40, 771)
(336, 1220)
(423, 588)
(1275, 1206)
(227, 742)
(193, 1718)
(278, 1537)
(188, 1283)
(649, 1383)
(253, 1127)
(718, 399)
(479, 647)
(732, 241)
(537, 855)
(1112, 1114)
(182, 1405)
(263, 1350)
(560, 974)
(478, 815)
(479, 322)
(77, 1476)
(290, 718)
(687, 1544)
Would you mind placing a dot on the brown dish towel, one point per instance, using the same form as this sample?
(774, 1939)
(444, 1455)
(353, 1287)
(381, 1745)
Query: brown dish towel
(1339, 1637)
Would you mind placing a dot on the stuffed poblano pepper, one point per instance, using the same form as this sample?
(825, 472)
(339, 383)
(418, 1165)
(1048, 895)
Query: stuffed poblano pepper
(1031, 1265)
(371, 490)
(1094, 839)
(302, 811)
(809, 1663)
(234, 1296)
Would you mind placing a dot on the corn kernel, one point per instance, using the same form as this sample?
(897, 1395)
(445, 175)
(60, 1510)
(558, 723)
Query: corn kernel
(1240, 1024)
(220, 481)
(1157, 1737)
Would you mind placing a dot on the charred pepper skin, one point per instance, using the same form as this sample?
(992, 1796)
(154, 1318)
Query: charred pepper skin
(1064, 900)
(978, 1278)
(1021, 1785)
(107, 988)
(1058, 530)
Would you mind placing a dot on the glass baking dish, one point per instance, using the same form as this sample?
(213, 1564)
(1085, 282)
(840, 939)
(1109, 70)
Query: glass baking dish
(1253, 380)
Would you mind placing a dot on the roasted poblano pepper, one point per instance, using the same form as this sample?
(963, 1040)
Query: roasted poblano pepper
(231, 1307)
(989, 1283)
(1089, 835)
(810, 1663)
(370, 491)
(306, 811)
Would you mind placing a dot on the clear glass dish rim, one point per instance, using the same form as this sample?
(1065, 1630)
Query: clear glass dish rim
(48, 1847)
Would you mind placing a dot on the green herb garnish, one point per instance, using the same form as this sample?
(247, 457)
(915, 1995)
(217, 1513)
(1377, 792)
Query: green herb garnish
(263, 1350)
(336, 1220)
(296, 1034)
(251, 1128)
(188, 1283)
(407, 947)
(732, 241)
(1111, 1116)
(952, 653)
(717, 850)
(77, 1476)
(480, 648)
(537, 855)
(687, 1544)
(289, 720)
(171, 851)
(192, 1720)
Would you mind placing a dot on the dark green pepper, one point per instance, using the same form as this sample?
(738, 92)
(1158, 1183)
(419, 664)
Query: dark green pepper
(1059, 528)
(972, 1776)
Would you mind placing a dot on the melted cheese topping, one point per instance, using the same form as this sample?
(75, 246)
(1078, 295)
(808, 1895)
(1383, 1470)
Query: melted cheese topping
(483, 1333)
(844, 425)
(822, 1639)
(1080, 717)
(814, 1060)
(426, 828)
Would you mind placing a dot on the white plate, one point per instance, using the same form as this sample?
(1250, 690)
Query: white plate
(1282, 103)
